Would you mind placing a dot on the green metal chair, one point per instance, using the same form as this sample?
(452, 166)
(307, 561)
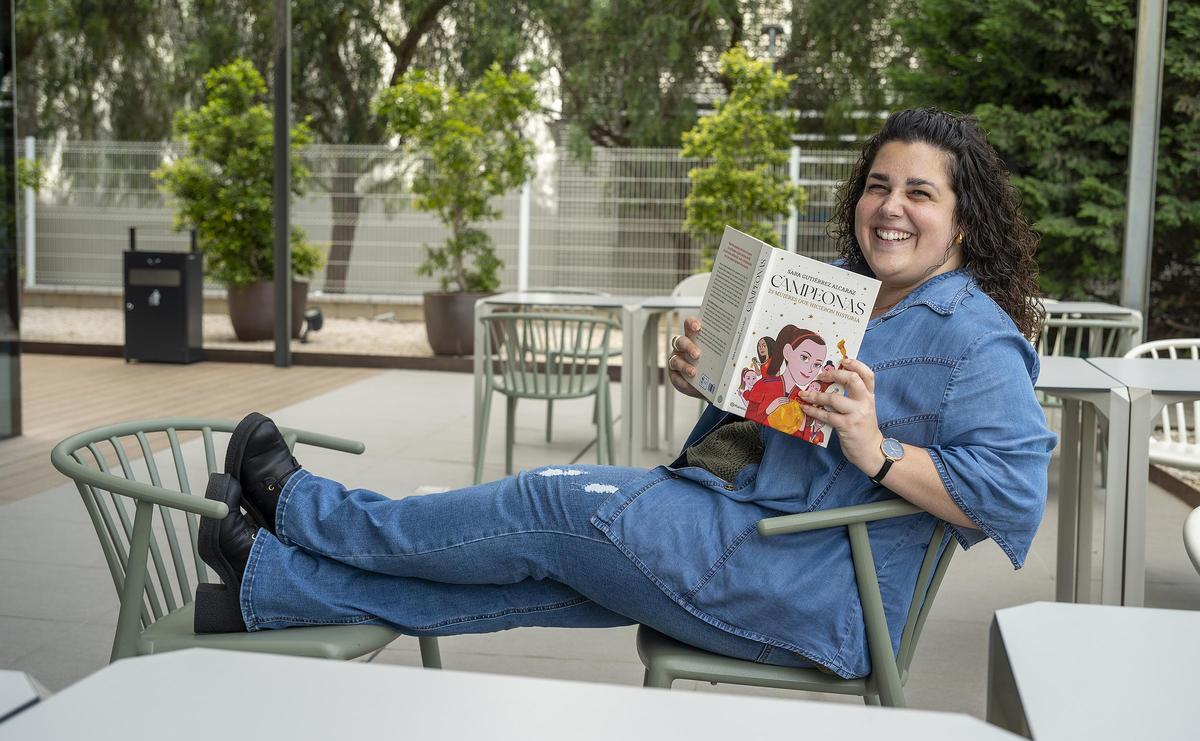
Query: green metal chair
(153, 557)
(612, 351)
(547, 356)
(667, 660)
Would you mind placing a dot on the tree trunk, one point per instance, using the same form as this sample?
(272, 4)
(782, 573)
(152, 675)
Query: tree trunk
(346, 203)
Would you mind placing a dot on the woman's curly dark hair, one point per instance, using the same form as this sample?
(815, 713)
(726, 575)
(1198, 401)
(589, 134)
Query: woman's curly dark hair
(998, 243)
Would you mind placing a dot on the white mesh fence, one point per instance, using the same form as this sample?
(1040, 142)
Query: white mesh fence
(613, 224)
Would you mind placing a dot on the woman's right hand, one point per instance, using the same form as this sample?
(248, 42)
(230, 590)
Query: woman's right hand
(684, 353)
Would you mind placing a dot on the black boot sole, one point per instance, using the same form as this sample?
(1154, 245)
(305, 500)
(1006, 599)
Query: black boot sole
(218, 606)
(233, 462)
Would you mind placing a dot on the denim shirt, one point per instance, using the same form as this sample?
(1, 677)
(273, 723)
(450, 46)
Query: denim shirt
(952, 375)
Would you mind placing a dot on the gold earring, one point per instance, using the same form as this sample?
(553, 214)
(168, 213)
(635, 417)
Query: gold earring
(959, 238)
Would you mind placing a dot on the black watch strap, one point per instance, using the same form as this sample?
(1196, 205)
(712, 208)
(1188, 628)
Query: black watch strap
(887, 466)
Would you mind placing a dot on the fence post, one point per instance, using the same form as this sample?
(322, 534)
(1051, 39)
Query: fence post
(30, 218)
(793, 223)
(523, 238)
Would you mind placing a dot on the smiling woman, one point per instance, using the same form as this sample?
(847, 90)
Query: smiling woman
(938, 409)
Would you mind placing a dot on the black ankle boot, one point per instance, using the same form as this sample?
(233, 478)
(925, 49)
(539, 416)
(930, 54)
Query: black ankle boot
(259, 458)
(225, 546)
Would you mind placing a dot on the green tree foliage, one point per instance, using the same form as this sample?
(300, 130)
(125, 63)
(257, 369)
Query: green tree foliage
(631, 70)
(473, 150)
(222, 187)
(92, 68)
(745, 141)
(1052, 83)
(841, 53)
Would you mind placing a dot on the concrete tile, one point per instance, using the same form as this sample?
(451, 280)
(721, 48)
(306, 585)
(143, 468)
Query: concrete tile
(21, 636)
(78, 652)
(61, 504)
(50, 542)
(54, 592)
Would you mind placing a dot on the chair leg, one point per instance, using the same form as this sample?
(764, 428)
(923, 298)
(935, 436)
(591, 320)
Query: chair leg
(656, 677)
(549, 417)
(431, 655)
(669, 397)
(602, 439)
(872, 700)
(481, 434)
(510, 423)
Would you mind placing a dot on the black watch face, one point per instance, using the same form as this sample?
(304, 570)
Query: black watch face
(892, 448)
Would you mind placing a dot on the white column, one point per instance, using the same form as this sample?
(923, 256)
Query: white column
(793, 222)
(30, 219)
(523, 238)
(1143, 154)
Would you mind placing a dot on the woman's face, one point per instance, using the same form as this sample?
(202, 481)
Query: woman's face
(904, 221)
(804, 361)
(762, 348)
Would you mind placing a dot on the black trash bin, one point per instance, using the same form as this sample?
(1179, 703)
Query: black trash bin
(164, 305)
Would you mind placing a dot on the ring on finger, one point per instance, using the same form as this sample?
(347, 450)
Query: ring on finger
(675, 342)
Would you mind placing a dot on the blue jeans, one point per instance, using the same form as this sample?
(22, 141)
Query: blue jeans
(512, 553)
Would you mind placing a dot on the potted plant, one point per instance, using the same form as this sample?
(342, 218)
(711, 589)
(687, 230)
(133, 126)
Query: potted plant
(222, 188)
(470, 149)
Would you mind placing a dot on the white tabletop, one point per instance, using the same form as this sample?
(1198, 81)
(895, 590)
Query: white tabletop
(17, 692)
(1161, 376)
(671, 302)
(1104, 672)
(541, 298)
(1094, 308)
(204, 695)
(1061, 373)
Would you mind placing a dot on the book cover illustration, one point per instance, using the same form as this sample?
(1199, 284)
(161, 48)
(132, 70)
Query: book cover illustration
(799, 317)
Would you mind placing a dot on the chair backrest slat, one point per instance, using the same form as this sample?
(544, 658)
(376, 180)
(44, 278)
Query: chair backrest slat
(104, 532)
(547, 355)
(181, 576)
(937, 558)
(160, 569)
(1180, 421)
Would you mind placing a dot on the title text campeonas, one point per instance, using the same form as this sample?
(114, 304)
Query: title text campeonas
(819, 295)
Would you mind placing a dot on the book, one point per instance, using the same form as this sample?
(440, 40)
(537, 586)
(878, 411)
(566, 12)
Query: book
(771, 321)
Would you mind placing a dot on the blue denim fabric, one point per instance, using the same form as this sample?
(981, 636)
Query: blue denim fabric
(516, 552)
(952, 375)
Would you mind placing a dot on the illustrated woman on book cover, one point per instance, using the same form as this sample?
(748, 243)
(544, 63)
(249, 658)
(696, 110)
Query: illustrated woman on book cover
(750, 376)
(799, 356)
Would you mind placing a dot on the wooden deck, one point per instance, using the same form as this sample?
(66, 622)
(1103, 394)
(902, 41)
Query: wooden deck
(63, 395)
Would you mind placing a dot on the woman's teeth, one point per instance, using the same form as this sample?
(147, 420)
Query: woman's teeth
(892, 235)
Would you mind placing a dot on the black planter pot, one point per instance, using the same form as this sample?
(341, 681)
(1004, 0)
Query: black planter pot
(450, 321)
(252, 310)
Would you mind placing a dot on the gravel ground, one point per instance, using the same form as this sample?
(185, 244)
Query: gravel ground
(107, 327)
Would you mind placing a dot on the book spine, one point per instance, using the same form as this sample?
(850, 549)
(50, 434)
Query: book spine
(751, 301)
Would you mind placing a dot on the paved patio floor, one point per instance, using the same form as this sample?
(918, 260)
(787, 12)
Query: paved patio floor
(58, 607)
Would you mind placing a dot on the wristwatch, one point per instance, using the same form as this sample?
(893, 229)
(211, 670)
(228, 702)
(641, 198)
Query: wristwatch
(892, 451)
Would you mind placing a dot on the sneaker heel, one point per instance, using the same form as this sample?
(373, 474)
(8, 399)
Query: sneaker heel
(218, 610)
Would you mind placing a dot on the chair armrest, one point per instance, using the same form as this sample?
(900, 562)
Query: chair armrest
(837, 517)
(318, 440)
(137, 490)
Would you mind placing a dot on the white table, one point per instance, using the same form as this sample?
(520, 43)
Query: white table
(18, 692)
(1061, 671)
(205, 695)
(640, 322)
(1097, 309)
(1150, 384)
(1086, 391)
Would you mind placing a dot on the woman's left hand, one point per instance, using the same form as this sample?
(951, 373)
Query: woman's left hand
(852, 415)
